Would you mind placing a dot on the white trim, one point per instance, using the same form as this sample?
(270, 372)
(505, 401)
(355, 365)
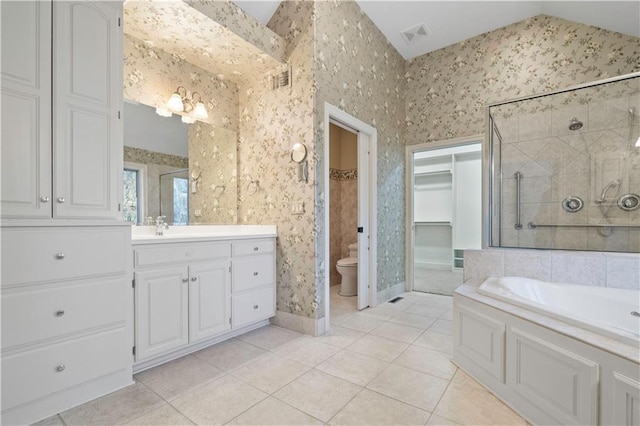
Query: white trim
(141, 186)
(341, 118)
(409, 152)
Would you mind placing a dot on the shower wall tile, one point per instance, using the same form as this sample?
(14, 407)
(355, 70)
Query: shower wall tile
(581, 268)
(528, 265)
(623, 272)
(561, 118)
(534, 126)
(569, 238)
(609, 114)
(614, 239)
(482, 264)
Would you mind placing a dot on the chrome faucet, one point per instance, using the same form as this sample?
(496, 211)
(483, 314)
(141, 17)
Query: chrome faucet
(161, 225)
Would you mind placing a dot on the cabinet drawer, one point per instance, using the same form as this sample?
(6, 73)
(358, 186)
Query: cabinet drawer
(34, 374)
(49, 254)
(245, 248)
(251, 307)
(251, 272)
(178, 253)
(35, 315)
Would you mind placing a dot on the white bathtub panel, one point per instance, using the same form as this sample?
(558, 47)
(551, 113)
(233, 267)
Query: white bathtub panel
(626, 400)
(558, 382)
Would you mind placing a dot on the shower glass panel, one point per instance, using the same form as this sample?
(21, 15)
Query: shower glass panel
(174, 203)
(565, 168)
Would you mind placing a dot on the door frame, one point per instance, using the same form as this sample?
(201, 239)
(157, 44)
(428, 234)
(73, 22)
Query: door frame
(367, 139)
(409, 231)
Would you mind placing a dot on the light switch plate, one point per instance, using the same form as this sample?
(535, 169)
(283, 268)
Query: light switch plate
(297, 207)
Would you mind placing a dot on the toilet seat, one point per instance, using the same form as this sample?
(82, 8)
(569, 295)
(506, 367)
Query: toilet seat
(348, 261)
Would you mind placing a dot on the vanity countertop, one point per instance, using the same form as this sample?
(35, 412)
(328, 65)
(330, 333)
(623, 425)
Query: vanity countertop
(176, 234)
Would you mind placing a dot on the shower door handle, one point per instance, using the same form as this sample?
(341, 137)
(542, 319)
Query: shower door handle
(518, 224)
(360, 229)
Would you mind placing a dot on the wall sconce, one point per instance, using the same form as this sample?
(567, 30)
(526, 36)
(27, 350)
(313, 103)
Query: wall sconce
(191, 108)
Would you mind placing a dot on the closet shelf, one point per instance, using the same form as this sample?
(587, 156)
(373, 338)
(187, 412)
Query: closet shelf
(432, 223)
(434, 173)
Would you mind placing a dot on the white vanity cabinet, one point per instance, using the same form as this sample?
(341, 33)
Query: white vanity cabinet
(61, 94)
(191, 294)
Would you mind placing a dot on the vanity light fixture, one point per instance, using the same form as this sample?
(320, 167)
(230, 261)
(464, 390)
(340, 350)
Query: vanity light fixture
(163, 112)
(176, 101)
(188, 119)
(191, 108)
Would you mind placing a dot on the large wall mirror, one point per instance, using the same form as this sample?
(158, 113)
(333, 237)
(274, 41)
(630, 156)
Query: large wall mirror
(185, 172)
(565, 169)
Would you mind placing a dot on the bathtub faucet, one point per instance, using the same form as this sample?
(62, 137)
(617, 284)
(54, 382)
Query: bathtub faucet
(161, 225)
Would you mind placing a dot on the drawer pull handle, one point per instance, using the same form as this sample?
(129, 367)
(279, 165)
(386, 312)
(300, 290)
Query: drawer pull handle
(59, 313)
(60, 368)
(194, 278)
(255, 306)
(255, 274)
(45, 199)
(185, 280)
(60, 256)
(255, 249)
(60, 200)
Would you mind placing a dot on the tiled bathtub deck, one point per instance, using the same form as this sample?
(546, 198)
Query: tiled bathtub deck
(387, 365)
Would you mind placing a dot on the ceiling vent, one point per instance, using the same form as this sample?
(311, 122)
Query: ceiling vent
(410, 35)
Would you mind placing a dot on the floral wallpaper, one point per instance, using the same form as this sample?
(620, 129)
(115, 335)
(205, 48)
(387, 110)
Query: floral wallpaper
(189, 34)
(447, 90)
(271, 121)
(151, 75)
(213, 156)
(358, 71)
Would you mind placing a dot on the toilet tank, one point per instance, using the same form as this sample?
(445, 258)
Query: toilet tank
(353, 250)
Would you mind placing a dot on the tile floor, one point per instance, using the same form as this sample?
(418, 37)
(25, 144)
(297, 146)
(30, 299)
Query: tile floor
(386, 365)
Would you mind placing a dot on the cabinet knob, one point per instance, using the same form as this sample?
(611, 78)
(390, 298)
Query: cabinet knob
(255, 274)
(255, 249)
(255, 306)
(60, 200)
(194, 278)
(45, 199)
(59, 313)
(60, 256)
(185, 280)
(60, 368)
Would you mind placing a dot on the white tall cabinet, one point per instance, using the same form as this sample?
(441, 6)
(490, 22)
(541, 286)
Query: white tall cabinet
(66, 254)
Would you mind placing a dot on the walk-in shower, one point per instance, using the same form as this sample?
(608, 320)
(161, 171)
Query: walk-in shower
(565, 168)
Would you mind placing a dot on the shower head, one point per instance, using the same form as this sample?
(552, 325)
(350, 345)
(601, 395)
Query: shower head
(575, 124)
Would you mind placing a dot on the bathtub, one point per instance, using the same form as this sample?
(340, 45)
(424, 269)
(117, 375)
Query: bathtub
(607, 311)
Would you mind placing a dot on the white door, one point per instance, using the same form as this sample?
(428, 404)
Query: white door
(209, 300)
(25, 168)
(161, 317)
(87, 47)
(363, 220)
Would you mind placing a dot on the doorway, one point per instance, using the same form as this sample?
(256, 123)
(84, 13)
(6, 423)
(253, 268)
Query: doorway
(366, 210)
(444, 212)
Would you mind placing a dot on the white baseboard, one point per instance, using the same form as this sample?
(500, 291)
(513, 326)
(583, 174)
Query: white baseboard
(304, 325)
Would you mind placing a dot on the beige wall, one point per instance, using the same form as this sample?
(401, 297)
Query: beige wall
(343, 148)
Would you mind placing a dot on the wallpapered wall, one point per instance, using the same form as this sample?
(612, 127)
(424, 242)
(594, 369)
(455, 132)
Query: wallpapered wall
(358, 71)
(447, 89)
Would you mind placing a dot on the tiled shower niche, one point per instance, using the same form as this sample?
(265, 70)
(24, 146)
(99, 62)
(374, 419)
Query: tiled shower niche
(566, 169)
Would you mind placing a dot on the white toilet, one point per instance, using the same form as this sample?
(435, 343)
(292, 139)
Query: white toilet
(348, 269)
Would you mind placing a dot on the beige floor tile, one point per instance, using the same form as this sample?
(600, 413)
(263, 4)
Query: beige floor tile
(437, 300)
(426, 310)
(269, 337)
(230, 354)
(178, 377)
(219, 401)
(410, 386)
(427, 361)
(463, 379)
(469, 405)
(379, 313)
(340, 336)
(448, 315)
(399, 332)
(442, 326)
(307, 350)
(338, 314)
(270, 373)
(378, 347)
(371, 408)
(116, 408)
(50, 421)
(400, 305)
(361, 323)
(166, 415)
(354, 367)
(436, 341)
(413, 320)
(273, 412)
(435, 420)
(318, 394)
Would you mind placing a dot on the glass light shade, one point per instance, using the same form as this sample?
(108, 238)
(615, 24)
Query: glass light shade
(199, 111)
(638, 142)
(175, 103)
(163, 112)
(188, 119)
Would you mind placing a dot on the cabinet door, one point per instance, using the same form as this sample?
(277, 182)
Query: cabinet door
(87, 75)
(161, 303)
(209, 300)
(25, 168)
